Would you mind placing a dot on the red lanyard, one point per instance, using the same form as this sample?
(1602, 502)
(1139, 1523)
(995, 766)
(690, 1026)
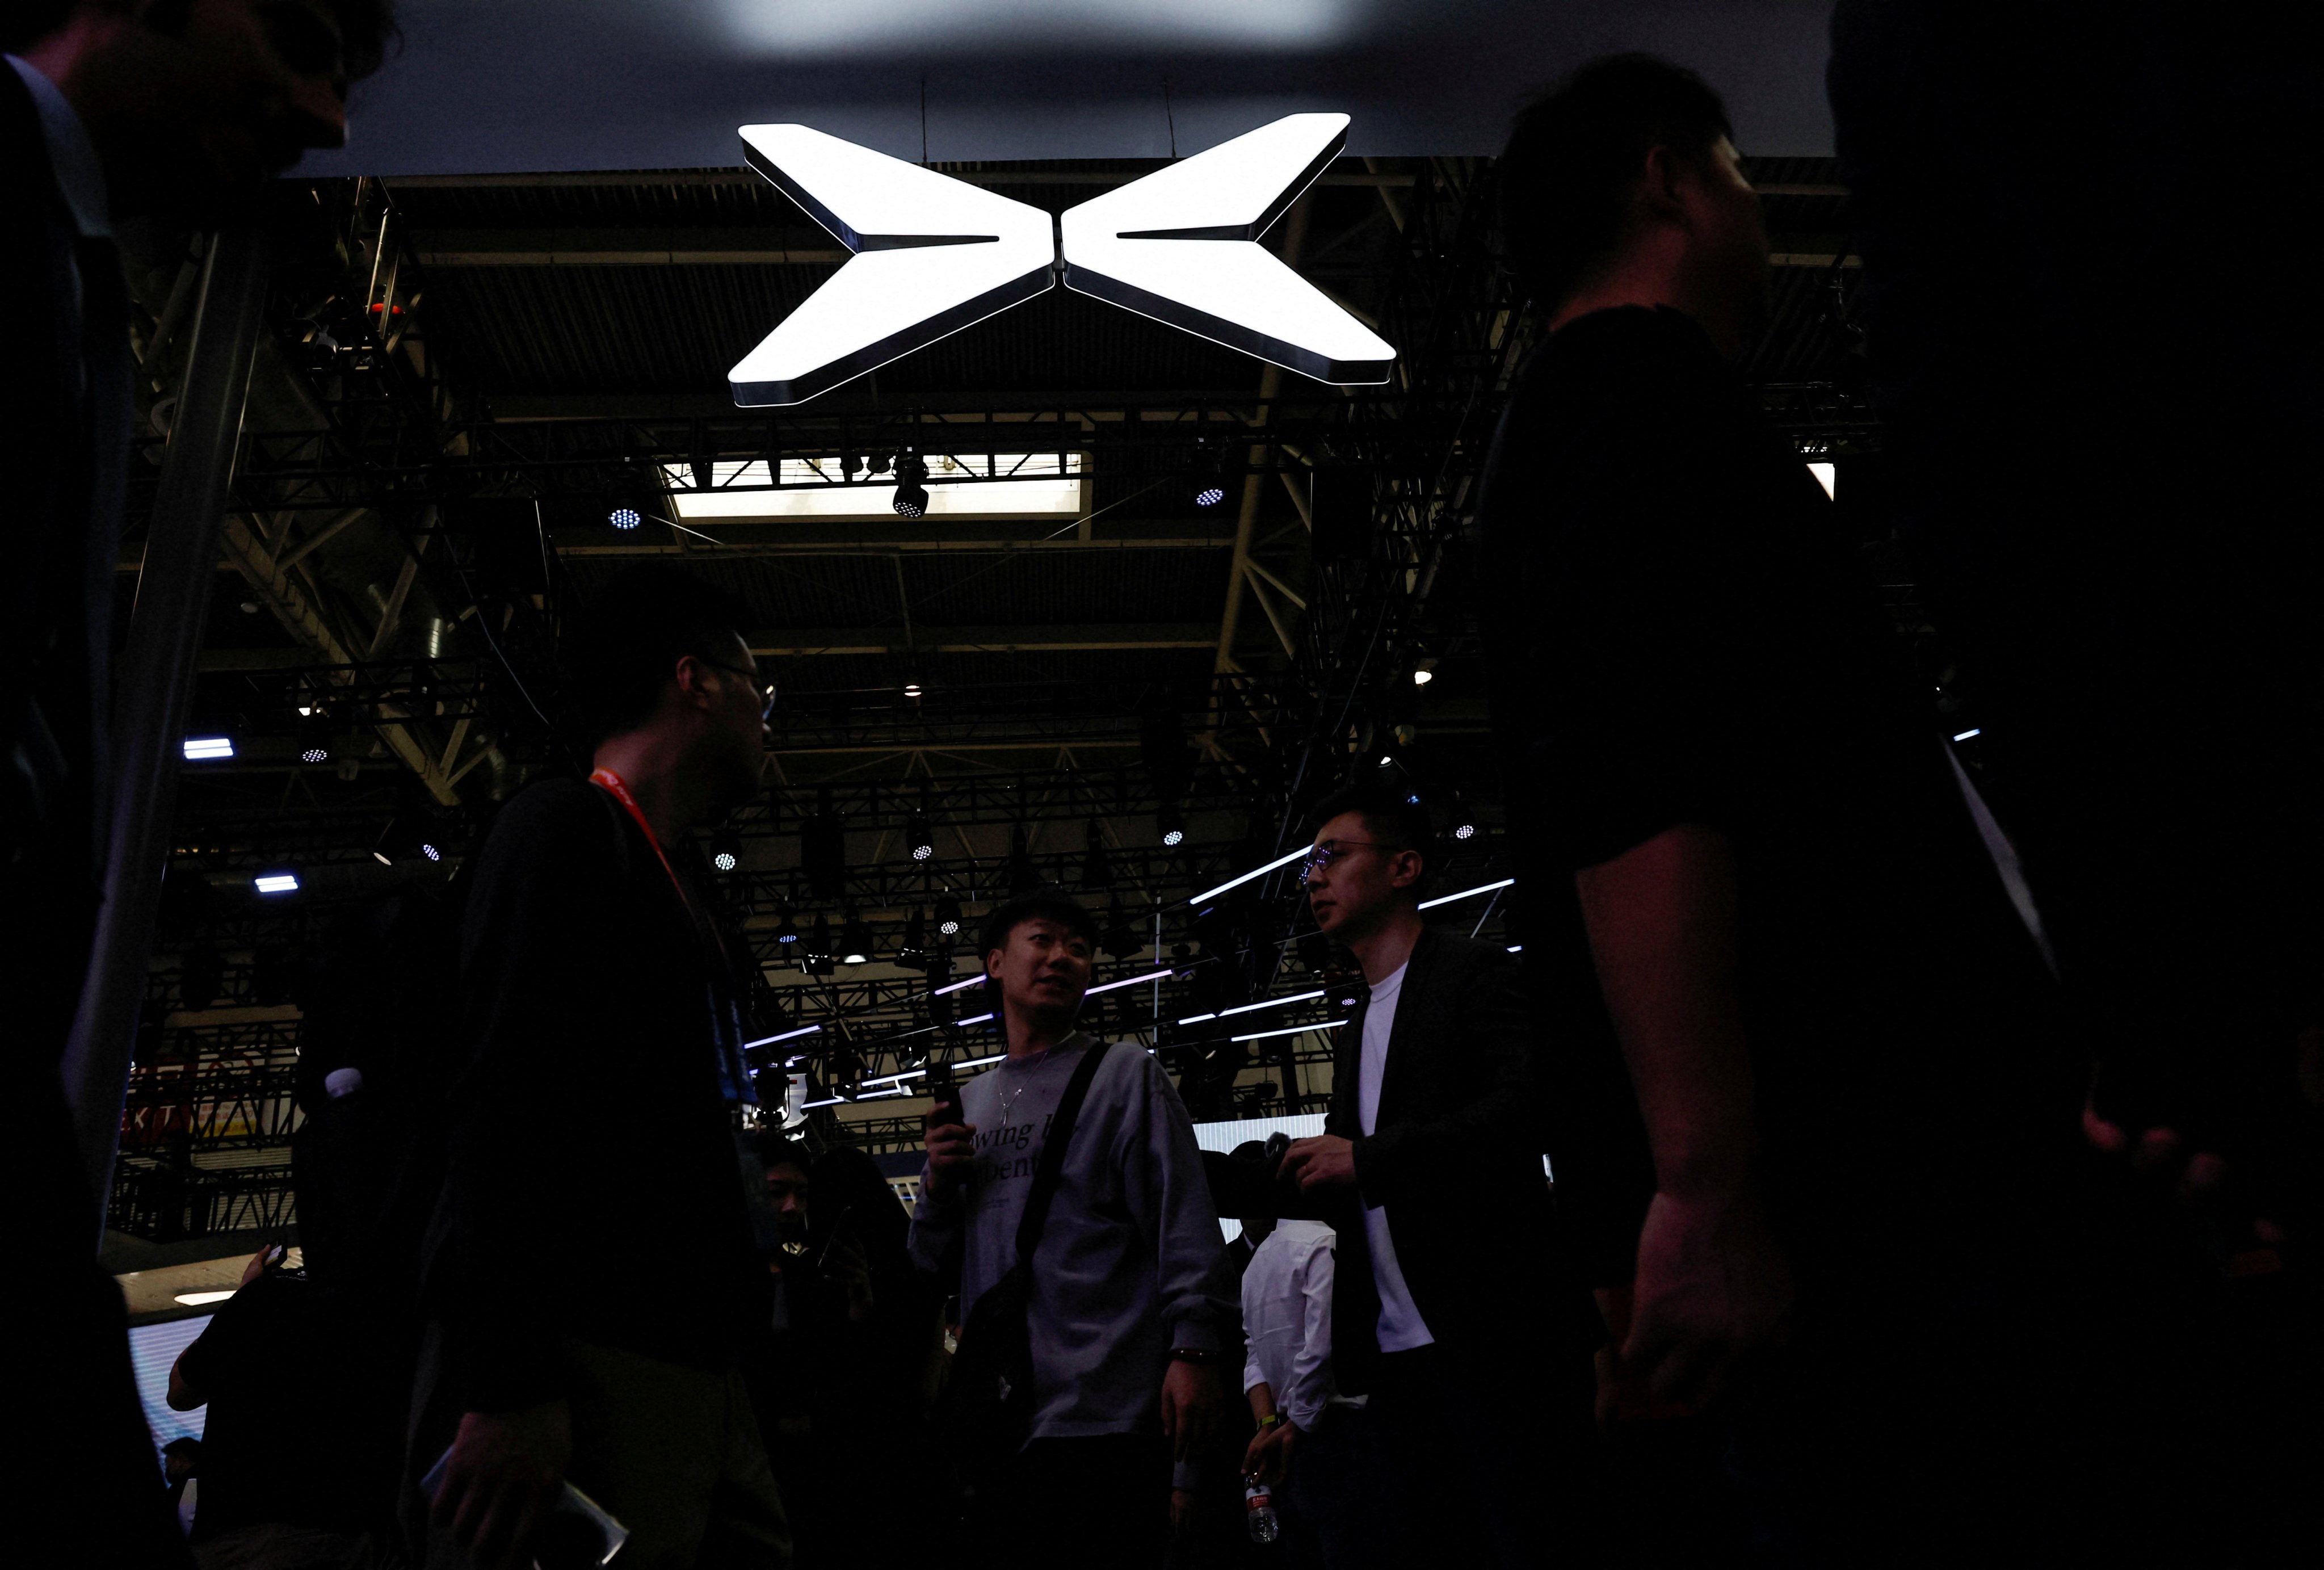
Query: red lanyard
(613, 785)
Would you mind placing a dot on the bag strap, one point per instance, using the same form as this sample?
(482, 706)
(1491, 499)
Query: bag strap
(1052, 1165)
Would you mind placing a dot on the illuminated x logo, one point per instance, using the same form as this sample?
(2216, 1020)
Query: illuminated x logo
(934, 254)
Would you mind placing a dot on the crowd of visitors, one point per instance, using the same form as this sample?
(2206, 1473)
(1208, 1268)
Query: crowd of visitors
(1852, 1169)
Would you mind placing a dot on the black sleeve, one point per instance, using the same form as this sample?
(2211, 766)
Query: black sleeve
(1621, 585)
(538, 925)
(1498, 1050)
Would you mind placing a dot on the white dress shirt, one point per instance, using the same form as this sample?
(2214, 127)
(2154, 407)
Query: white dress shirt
(1401, 1328)
(1287, 1318)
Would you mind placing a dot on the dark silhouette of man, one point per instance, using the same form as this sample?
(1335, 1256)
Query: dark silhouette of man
(172, 113)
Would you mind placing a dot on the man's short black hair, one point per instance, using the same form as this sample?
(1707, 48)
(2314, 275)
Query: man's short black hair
(780, 1149)
(1391, 816)
(1574, 152)
(620, 651)
(1041, 905)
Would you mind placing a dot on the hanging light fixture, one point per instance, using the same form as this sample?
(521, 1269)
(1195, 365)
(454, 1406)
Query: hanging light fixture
(911, 499)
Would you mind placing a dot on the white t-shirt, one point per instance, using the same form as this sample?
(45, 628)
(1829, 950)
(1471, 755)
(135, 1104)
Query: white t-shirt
(1401, 1328)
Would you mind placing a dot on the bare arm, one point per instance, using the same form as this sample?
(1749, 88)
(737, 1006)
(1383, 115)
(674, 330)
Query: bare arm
(1712, 1286)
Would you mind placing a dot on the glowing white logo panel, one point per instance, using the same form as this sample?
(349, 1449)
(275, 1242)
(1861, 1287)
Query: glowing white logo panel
(1182, 245)
(933, 254)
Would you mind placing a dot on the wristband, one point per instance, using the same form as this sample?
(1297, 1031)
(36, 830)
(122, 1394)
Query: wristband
(1272, 1420)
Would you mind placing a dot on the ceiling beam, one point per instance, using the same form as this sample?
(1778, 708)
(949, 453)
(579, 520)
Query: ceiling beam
(799, 644)
(551, 247)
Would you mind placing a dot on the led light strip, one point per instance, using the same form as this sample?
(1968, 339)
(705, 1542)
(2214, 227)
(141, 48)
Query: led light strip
(786, 1036)
(1480, 888)
(1128, 982)
(974, 981)
(1294, 1030)
(1283, 861)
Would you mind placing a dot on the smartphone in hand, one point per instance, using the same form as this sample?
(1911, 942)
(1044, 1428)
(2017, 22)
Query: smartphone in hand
(946, 1095)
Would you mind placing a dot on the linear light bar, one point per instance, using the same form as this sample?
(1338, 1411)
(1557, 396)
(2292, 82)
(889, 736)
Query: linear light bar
(884, 1078)
(1282, 861)
(974, 981)
(875, 1095)
(811, 1106)
(786, 1036)
(1963, 738)
(202, 1299)
(979, 1019)
(1197, 1019)
(1294, 1030)
(1127, 981)
(1271, 1002)
(276, 884)
(1480, 888)
(980, 1062)
(201, 749)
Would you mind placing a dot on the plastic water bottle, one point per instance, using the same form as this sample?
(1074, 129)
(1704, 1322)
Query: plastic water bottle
(1259, 1509)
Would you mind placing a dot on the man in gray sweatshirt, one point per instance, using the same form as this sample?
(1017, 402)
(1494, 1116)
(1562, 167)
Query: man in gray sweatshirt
(1130, 1298)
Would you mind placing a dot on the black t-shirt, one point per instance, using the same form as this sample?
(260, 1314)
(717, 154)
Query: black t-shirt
(304, 1422)
(1682, 634)
(595, 1187)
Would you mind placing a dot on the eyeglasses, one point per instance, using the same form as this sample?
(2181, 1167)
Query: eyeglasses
(762, 685)
(1327, 851)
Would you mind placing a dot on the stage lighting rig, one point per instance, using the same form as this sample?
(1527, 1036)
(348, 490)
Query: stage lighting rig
(920, 835)
(854, 941)
(1097, 870)
(786, 928)
(726, 849)
(911, 487)
(916, 941)
(947, 915)
(1170, 826)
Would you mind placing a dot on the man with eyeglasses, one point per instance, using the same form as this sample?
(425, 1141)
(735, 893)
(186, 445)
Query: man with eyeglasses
(593, 1130)
(1446, 1318)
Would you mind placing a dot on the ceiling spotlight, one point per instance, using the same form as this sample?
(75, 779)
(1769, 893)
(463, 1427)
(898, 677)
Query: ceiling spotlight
(1023, 876)
(201, 749)
(276, 882)
(911, 490)
(915, 946)
(431, 852)
(921, 836)
(1465, 831)
(726, 849)
(724, 861)
(1170, 825)
(1422, 677)
(911, 689)
(817, 960)
(854, 941)
(881, 462)
(316, 754)
(624, 517)
(1210, 479)
(948, 916)
(1097, 870)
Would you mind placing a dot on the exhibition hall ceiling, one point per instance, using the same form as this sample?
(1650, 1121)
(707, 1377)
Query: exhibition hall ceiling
(540, 84)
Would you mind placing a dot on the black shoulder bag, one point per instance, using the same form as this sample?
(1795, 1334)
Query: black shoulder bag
(986, 1414)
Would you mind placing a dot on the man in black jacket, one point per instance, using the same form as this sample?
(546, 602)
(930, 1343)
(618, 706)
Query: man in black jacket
(1446, 1316)
(109, 112)
(593, 1276)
